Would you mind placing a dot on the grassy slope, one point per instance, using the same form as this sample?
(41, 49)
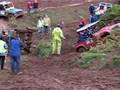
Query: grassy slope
(68, 14)
(111, 16)
(108, 52)
(104, 54)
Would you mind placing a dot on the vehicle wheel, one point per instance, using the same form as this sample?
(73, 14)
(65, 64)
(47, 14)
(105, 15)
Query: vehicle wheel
(11, 16)
(81, 49)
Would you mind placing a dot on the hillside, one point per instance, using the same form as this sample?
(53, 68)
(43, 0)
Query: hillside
(69, 71)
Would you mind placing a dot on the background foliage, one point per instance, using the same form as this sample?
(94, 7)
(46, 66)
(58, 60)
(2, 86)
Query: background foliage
(111, 16)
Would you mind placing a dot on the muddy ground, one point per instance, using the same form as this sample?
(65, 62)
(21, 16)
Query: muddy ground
(53, 73)
(46, 3)
(52, 3)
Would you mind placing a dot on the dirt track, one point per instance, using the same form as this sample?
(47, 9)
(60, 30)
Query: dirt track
(53, 74)
(46, 3)
(51, 3)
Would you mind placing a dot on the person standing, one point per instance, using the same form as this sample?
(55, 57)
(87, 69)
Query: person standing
(57, 36)
(10, 35)
(40, 25)
(47, 24)
(15, 54)
(35, 5)
(3, 52)
(5, 36)
(29, 6)
(92, 9)
(62, 24)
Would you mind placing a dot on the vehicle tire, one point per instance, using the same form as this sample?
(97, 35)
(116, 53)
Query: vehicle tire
(81, 49)
(105, 34)
(11, 16)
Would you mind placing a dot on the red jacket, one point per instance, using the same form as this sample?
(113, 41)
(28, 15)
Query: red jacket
(83, 21)
(29, 5)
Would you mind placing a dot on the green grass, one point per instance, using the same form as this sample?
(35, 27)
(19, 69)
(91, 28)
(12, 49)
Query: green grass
(112, 15)
(44, 49)
(89, 58)
(102, 53)
(116, 61)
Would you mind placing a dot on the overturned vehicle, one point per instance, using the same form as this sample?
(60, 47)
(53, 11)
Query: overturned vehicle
(88, 38)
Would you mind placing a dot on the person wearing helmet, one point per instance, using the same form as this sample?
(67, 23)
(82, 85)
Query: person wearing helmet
(92, 9)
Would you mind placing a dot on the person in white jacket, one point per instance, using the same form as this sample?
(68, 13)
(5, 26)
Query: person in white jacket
(40, 25)
(47, 24)
(3, 52)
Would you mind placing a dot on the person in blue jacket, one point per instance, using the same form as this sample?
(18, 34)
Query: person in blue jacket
(94, 18)
(15, 54)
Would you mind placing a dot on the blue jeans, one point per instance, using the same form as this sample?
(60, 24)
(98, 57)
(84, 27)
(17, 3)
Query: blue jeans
(15, 64)
(46, 29)
(41, 29)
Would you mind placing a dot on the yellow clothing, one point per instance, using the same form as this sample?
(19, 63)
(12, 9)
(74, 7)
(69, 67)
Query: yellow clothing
(57, 36)
(56, 46)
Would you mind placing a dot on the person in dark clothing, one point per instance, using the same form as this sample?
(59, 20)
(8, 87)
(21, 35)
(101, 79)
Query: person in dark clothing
(92, 9)
(81, 37)
(2, 61)
(94, 18)
(35, 4)
(102, 7)
(85, 35)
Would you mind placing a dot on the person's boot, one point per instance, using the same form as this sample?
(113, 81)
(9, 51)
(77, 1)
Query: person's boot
(2, 64)
(58, 51)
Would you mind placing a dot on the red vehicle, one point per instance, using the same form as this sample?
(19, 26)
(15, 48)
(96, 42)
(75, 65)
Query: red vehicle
(105, 31)
(84, 46)
(88, 43)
